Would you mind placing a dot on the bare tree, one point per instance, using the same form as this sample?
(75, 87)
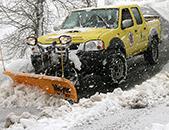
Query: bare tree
(89, 3)
(27, 16)
(32, 17)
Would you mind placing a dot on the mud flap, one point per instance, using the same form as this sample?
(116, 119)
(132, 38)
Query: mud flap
(53, 85)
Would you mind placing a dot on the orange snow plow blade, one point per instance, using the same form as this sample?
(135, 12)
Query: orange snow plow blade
(53, 85)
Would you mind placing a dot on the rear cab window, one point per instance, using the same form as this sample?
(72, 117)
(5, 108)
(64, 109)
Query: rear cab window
(137, 15)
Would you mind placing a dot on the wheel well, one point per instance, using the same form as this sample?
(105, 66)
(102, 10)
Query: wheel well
(118, 45)
(153, 33)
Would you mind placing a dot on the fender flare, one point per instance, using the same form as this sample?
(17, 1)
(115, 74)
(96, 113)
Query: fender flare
(118, 45)
(153, 33)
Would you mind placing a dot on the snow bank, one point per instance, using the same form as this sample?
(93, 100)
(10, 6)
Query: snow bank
(20, 65)
(12, 118)
(162, 8)
(157, 126)
(58, 113)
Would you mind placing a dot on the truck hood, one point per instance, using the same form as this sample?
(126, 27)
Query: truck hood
(79, 35)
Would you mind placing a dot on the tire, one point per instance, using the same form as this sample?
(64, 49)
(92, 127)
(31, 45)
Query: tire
(117, 67)
(71, 75)
(91, 81)
(88, 85)
(151, 54)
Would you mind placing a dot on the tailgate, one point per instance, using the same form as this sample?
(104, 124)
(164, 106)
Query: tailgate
(151, 17)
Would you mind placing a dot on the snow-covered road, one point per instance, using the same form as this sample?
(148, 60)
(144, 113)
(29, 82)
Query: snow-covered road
(138, 108)
(130, 119)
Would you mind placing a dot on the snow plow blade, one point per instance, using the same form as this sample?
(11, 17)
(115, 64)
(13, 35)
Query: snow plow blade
(53, 85)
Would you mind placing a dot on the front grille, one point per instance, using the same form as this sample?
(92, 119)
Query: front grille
(74, 46)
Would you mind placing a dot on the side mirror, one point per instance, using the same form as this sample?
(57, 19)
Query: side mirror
(127, 23)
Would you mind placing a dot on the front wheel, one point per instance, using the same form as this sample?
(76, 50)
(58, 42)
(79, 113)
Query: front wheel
(117, 67)
(70, 73)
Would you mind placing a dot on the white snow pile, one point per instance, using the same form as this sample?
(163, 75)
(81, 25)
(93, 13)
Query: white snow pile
(157, 126)
(59, 114)
(20, 65)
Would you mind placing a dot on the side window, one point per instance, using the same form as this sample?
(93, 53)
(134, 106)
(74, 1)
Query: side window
(137, 15)
(126, 16)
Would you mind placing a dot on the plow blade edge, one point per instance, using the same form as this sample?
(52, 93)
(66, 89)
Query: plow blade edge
(53, 85)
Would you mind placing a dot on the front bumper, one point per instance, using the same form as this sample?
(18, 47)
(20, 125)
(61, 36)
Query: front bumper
(92, 61)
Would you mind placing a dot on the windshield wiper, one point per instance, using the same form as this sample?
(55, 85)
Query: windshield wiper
(80, 21)
(104, 21)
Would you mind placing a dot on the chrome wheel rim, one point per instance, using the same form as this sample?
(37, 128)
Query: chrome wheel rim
(117, 71)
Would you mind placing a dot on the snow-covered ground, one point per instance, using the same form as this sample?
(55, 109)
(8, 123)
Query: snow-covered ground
(144, 107)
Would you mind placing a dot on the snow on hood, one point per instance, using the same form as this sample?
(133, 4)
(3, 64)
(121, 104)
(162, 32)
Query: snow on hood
(79, 35)
(61, 114)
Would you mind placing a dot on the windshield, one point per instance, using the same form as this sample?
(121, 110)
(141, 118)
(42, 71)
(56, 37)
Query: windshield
(95, 18)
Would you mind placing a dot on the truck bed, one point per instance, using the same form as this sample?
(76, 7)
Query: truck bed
(151, 17)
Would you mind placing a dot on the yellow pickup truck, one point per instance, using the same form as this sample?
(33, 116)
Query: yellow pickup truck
(104, 38)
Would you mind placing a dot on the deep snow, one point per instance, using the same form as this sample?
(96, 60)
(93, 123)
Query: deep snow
(145, 106)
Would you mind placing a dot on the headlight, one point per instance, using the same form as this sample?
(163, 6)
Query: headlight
(94, 45)
(65, 39)
(31, 41)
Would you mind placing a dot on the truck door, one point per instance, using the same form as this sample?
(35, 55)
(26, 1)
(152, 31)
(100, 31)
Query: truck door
(141, 30)
(130, 33)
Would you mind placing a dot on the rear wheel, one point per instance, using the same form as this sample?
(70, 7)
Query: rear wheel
(151, 55)
(117, 67)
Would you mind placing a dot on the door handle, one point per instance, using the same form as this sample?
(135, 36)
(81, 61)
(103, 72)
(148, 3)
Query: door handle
(135, 30)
